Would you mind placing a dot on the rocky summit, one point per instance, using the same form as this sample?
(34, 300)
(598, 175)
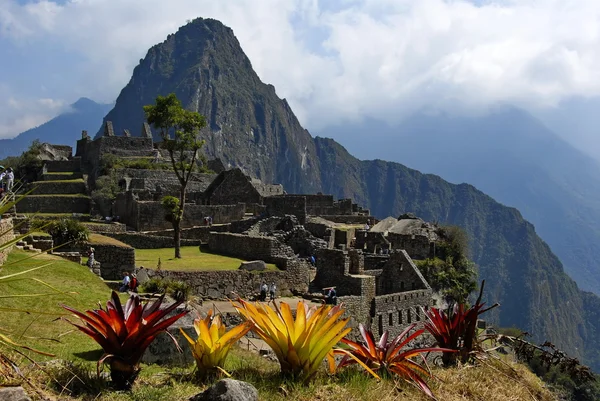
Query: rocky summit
(250, 127)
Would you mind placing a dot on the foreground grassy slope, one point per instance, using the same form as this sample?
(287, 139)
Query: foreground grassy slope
(192, 260)
(41, 328)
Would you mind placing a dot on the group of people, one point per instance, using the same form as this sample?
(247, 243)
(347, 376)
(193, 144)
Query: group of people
(208, 221)
(263, 291)
(129, 283)
(7, 180)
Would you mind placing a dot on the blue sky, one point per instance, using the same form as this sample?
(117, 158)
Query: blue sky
(335, 61)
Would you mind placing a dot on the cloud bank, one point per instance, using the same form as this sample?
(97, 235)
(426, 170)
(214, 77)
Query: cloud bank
(334, 61)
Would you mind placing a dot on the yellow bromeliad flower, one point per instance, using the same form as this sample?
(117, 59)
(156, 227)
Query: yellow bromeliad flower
(301, 344)
(213, 344)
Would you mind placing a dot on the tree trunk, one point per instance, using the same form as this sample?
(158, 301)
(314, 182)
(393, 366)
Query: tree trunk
(177, 223)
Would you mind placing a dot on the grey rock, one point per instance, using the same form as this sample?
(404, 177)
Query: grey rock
(13, 394)
(255, 265)
(228, 390)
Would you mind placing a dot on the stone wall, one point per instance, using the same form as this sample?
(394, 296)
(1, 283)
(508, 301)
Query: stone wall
(74, 257)
(6, 227)
(400, 274)
(395, 312)
(114, 260)
(417, 246)
(163, 181)
(145, 241)
(248, 247)
(54, 204)
(150, 215)
(106, 227)
(62, 166)
(348, 219)
(232, 186)
(64, 187)
(287, 204)
(228, 284)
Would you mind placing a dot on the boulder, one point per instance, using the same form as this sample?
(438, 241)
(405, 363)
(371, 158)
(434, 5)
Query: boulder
(228, 390)
(13, 394)
(163, 351)
(255, 265)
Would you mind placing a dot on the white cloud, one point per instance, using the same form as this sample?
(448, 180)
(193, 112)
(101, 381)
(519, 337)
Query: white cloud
(348, 60)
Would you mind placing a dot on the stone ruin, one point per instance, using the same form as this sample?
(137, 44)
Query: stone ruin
(371, 268)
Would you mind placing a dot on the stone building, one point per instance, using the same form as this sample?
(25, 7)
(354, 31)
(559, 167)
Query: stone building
(388, 295)
(407, 232)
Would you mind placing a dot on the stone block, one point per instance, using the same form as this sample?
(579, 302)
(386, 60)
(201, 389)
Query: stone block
(255, 265)
(228, 390)
(13, 394)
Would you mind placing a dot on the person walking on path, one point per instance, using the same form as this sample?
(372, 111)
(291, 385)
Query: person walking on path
(263, 291)
(125, 282)
(272, 290)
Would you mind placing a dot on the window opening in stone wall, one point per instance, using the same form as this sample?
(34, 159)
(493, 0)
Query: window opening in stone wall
(402, 286)
(408, 316)
(391, 320)
(380, 324)
(399, 317)
(417, 314)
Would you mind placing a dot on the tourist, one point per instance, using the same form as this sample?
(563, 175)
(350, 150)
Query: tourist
(90, 262)
(272, 291)
(263, 292)
(210, 221)
(2, 174)
(367, 226)
(331, 298)
(157, 155)
(133, 284)
(125, 282)
(9, 179)
(312, 260)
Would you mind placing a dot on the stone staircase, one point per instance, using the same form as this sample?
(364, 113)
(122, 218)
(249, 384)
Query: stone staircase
(62, 190)
(26, 247)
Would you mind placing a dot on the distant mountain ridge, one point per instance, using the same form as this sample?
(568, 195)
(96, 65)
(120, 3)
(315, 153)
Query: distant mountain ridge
(250, 127)
(515, 158)
(64, 129)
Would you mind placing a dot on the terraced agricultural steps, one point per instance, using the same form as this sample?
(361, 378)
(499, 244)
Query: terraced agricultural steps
(62, 190)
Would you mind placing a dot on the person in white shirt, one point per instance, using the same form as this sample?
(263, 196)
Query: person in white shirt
(272, 290)
(9, 177)
(125, 282)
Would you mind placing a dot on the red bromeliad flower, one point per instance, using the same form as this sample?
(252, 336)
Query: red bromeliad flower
(389, 357)
(124, 334)
(456, 328)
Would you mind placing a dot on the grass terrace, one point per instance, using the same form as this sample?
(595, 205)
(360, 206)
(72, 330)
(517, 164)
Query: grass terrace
(192, 260)
(40, 328)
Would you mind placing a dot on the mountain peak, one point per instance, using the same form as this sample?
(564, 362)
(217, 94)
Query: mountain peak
(84, 103)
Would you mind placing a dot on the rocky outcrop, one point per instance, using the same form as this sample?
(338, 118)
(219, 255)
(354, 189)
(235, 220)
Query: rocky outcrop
(228, 390)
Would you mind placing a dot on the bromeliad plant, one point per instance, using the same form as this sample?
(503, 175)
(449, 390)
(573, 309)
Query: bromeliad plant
(388, 357)
(213, 344)
(301, 344)
(456, 328)
(125, 333)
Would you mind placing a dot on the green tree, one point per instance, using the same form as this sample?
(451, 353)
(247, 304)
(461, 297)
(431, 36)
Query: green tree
(179, 130)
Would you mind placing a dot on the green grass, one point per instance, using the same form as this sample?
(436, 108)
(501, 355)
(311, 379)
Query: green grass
(56, 181)
(103, 240)
(60, 196)
(192, 260)
(73, 285)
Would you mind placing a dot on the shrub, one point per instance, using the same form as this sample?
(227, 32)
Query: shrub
(388, 357)
(155, 285)
(456, 328)
(65, 231)
(124, 334)
(213, 344)
(179, 290)
(300, 345)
